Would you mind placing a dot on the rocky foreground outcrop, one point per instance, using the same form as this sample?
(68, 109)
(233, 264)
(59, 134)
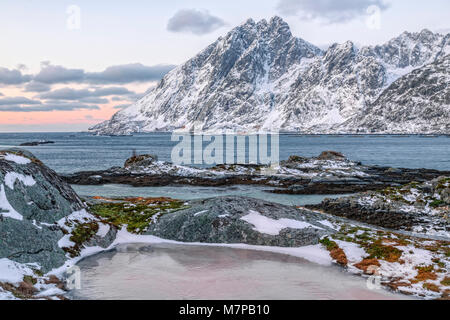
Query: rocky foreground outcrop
(38, 212)
(32, 200)
(415, 207)
(329, 173)
(242, 220)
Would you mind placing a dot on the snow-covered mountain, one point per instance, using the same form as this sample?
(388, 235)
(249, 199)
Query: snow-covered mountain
(261, 78)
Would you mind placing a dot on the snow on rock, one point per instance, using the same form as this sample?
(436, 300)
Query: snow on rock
(65, 242)
(352, 250)
(273, 227)
(6, 210)
(103, 230)
(13, 272)
(76, 217)
(17, 159)
(259, 77)
(11, 177)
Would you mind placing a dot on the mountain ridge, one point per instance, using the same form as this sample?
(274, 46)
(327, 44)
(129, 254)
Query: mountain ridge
(259, 77)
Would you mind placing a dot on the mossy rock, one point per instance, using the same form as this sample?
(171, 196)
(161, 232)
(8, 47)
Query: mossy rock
(136, 213)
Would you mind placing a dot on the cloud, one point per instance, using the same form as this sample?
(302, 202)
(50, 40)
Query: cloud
(9, 77)
(122, 106)
(51, 74)
(17, 100)
(52, 106)
(128, 73)
(328, 11)
(94, 100)
(194, 21)
(34, 86)
(77, 94)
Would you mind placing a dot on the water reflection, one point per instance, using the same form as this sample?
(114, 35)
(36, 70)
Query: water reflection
(198, 272)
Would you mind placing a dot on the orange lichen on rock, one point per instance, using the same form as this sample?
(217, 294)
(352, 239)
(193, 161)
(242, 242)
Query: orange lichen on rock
(431, 286)
(426, 273)
(366, 263)
(148, 201)
(395, 285)
(339, 255)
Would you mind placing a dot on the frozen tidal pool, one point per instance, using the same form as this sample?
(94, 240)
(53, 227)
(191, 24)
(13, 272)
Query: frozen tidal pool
(176, 272)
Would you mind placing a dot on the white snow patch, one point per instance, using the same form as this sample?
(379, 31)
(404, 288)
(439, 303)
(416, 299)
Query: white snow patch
(13, 272)
(327, 223)
(51, 292)
(201, 212)
(6, 209)
(353, 251)
(11, 177)
(103, 230)
(65, 242)
(17, 159)
(273, 227)
(81, 216)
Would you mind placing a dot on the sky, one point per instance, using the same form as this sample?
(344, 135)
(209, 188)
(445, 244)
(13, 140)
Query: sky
(67, 65)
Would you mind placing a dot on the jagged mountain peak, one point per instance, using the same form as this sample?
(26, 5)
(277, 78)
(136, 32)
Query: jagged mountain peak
(260, 77)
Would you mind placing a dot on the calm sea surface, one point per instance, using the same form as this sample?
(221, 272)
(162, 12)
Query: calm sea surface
(80, 151)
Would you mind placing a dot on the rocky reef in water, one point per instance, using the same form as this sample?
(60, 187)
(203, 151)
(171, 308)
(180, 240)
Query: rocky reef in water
(329, 173)
(415, 207)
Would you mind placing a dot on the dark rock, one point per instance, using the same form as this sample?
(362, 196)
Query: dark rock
(297, 175)
(140, 161)
(33, 198)
(219, 220)
(36, 143)
(331, 155)
(417, 207)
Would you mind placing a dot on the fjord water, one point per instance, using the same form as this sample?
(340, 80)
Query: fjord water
(196, 192)
(81, 151)
(161, 272)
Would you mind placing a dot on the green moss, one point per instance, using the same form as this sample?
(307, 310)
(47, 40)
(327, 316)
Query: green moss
(137, 215)
(424, 269)
(81, 234)
(364, 236)
(443, 184)
(379, 251)
(437, 203)
(329, 244)
(84, 232)
(30, 280)
(38, 272)
(446, 282)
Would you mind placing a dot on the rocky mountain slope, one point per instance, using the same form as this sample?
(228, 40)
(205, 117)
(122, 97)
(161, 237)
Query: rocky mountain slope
(260, 77)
